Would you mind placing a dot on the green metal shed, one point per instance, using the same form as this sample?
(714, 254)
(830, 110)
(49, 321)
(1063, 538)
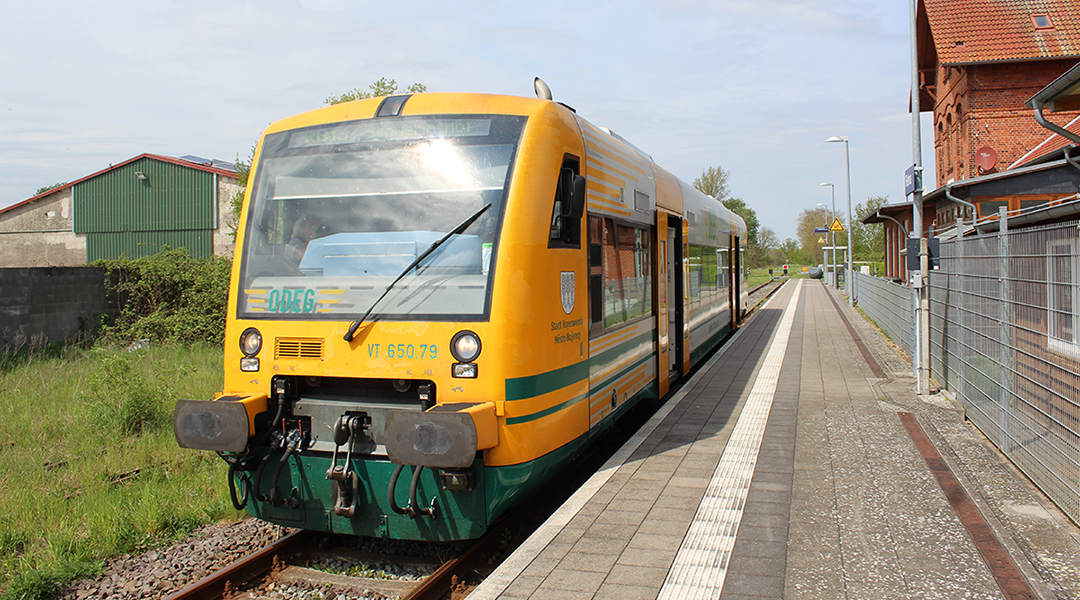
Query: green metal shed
(135, 208)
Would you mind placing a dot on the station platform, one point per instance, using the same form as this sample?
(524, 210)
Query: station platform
(800, 462)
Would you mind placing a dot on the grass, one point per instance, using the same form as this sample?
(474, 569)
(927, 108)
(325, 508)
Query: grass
(759, 276)
(89, 467)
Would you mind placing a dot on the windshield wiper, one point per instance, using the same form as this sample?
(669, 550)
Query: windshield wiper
(456, 231)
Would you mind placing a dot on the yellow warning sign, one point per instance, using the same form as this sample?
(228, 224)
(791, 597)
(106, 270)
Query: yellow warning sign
(821, 240)
(836, 225)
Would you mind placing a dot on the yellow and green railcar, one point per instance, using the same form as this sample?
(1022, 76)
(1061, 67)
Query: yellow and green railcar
(439, 300)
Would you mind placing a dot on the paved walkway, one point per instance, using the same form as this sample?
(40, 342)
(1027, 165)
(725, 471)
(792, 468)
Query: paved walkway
(789, 467)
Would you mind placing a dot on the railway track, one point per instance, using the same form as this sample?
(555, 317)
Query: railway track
(276, 564)
(452, 579)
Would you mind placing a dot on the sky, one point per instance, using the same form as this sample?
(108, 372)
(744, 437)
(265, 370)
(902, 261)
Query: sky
(752, 86)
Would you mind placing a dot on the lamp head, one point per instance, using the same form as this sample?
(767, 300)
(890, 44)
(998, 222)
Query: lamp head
(836, 138)
(825, 183)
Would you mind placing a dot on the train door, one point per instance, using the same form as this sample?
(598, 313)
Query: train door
(662, 303)
(672, 232)
(735, 278)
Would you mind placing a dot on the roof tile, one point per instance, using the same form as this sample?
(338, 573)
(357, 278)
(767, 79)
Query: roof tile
(975, 31)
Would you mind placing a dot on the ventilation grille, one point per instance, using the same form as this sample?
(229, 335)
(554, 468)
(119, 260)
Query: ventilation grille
(302, 348)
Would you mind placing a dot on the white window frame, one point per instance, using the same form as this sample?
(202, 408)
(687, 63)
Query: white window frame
(1057, 250)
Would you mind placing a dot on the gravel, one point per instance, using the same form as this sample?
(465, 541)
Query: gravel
(158, 573)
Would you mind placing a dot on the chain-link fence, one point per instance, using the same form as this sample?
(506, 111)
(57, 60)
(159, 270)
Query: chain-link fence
(1005, 339)
(889, 305)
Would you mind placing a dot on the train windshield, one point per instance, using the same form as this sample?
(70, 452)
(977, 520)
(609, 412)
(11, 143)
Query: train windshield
(340, 211)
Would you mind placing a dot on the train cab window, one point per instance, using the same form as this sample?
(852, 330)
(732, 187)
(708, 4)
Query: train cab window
(568, 207)
(620, 275)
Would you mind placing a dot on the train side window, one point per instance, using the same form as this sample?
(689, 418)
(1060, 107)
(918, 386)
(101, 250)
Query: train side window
(568, 207)
(620, 272)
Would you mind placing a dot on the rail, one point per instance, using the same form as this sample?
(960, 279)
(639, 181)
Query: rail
(246, 569)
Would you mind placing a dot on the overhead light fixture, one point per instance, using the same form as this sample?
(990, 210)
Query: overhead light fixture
(140, 175)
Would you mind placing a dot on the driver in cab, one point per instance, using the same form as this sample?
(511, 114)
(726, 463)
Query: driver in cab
(305, 230)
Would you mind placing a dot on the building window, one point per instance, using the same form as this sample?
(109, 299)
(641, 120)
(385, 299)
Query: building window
(1063, 301)
(1042, 21)
(990, 208)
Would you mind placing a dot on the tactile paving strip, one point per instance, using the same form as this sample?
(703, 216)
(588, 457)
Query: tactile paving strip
(700, 566)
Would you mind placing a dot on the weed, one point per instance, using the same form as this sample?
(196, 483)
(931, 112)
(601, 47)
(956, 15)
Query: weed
(47, 583)
(89, 467)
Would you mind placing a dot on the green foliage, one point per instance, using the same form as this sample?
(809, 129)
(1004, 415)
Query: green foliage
(47, 583)
(749, 215)
(168, 297)
(869, 240)
(236, 203)
(793, 254)
(127, 400)
(382, 87)
(810, 243)
(78, 486)
(42, 190)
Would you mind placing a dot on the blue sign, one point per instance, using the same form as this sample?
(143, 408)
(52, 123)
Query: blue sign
(912, 180)
(821, 230)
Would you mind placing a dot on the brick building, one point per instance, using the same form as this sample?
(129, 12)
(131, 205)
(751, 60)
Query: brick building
(979, 63)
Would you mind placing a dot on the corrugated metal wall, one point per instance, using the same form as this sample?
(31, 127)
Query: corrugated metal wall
(123, 215)
(135, 244)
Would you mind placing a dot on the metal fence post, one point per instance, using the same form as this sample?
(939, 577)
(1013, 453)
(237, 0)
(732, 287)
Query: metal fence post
(1004, 283)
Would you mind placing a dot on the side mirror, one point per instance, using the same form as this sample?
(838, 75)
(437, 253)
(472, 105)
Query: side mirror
(569, 207)
(577, 203)
(571, 194)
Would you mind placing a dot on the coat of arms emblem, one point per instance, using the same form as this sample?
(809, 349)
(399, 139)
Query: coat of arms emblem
(567, 287)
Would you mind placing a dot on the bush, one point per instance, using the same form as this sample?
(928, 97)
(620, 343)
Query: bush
(168, 297)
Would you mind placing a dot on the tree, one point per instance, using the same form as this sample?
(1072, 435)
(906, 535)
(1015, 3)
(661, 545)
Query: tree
(791, 253)
(869, 240)
(42, 190)
(382, 87)
(713, 182)
(749, 215)
(768, 246)
(812, 243)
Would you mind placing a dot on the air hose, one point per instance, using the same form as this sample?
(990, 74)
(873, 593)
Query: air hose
(390, 491)
(411, 509)
(245, 484)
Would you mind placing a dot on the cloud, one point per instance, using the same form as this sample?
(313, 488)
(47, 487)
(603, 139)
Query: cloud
(751, 85)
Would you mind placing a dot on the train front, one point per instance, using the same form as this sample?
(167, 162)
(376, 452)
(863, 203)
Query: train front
(361, 293)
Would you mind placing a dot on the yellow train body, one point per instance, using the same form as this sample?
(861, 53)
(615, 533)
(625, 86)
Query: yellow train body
(580, 299)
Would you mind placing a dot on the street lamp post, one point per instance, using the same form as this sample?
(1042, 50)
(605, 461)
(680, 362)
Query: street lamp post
(848, 276)
(832, 188)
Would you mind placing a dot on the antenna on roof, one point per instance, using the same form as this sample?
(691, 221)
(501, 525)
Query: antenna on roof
(543, 92)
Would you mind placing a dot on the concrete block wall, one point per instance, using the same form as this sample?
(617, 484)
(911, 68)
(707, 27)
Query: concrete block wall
(50, 305)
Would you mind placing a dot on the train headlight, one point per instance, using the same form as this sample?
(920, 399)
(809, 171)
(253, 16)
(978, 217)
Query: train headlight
(250, 342)
(465, 346)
